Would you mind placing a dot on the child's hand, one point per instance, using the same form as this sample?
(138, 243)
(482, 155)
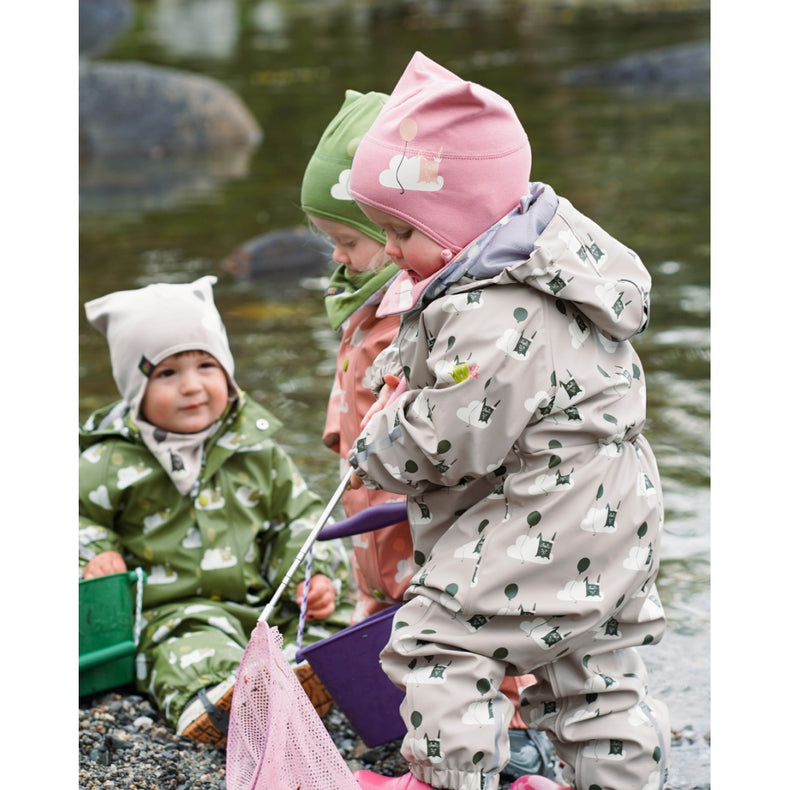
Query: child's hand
(320, 597)
(393, 386)
(104, 564)
(332, 441)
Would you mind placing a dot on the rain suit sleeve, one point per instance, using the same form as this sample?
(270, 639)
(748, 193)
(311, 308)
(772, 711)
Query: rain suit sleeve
(99, 500)
(440, 434)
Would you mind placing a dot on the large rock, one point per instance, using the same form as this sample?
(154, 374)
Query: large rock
(683, 69)
(101, 22)
(132, 185)
(280, 256)
(135, 108)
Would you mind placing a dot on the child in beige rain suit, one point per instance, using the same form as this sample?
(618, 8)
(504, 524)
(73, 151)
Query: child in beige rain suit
(534, 499)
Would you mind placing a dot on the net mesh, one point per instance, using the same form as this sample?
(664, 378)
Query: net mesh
(276, 739)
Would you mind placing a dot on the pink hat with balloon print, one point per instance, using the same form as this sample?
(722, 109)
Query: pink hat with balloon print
(447, 156)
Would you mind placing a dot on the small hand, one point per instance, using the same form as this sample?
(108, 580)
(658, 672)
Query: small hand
(320, 597)
(393, 386)
(104, 564)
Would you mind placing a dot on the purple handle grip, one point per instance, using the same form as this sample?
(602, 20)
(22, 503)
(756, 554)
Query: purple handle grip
(367, 520)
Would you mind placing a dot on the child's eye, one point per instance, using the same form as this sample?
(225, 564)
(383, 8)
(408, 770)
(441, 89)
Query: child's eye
(402, 235)
(164, 373)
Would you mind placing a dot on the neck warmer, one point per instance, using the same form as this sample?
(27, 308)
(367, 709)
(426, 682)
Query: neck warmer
(346, 292)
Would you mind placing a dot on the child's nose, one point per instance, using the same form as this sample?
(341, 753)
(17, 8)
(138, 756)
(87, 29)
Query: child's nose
(190, 381)
(392, 249)
(338, 256)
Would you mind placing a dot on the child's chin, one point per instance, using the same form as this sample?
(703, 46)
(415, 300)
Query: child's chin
(188, 426)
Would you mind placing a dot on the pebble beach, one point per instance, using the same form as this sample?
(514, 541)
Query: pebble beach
(125, 743)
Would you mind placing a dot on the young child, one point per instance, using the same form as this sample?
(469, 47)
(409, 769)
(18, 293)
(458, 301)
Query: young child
(184, 479)
(534, 498)
(382, 559)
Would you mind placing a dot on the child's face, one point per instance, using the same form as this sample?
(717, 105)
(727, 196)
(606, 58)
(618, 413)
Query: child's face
(353, 248)
(185, 393)
(408, 247)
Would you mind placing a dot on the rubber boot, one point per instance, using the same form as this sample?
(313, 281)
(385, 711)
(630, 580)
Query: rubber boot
(368, 780)
(536, 783)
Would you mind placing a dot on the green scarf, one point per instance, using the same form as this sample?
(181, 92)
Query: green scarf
(348, 292)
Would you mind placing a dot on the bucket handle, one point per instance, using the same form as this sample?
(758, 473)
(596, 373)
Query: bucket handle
(138, 575)
(372, 518)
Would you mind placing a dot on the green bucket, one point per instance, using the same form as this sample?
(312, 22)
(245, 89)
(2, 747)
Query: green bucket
(108, 635)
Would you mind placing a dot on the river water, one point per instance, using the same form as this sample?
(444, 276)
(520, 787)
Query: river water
(636, 159)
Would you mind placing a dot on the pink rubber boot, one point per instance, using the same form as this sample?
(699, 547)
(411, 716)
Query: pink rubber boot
(535, 783)
(368, 780)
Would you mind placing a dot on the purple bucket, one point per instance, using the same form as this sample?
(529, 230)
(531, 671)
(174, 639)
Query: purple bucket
(348, 664)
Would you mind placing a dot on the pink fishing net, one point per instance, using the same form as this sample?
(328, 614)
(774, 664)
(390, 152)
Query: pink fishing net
(276, 740)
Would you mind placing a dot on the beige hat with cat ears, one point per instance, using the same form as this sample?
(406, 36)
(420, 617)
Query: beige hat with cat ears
(146, 325)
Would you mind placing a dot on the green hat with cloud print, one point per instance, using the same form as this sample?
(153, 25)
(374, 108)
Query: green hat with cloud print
(325, 183)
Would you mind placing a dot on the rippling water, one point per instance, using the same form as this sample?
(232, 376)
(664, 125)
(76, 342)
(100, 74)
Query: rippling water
(637, 161)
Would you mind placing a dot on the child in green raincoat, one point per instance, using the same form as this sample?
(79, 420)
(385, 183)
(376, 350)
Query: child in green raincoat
(184, 479)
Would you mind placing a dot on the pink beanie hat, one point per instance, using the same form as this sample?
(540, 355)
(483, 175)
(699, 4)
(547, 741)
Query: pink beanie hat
(447, 156)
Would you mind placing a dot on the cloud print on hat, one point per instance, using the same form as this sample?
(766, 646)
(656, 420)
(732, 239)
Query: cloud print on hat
(339, 190)
(412, 172)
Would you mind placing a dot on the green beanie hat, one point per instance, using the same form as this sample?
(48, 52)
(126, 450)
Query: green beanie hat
(325, 182)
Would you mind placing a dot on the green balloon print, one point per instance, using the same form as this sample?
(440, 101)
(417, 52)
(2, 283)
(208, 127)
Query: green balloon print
(501, 653)
(415, 718)
(657, 754)
(419, 558)
(582, 565)
(482, 525)
(477, 757)
(600, 492)
(410, 466)
(520, 314)
(511, 591)
(451, 589)
(450, 342)
(554, 444)
(555, 460)
(533, 518)
(642, 531)
(483, 686)
(443, 446)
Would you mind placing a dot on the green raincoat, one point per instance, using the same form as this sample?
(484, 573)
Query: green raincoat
(212, 561)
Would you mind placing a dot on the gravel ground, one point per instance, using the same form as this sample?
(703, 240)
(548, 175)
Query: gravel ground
(125, 743)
